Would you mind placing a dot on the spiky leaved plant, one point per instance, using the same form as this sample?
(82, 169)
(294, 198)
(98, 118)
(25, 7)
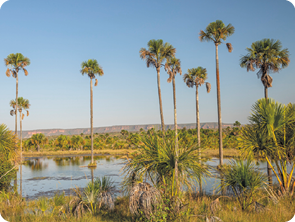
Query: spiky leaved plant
(271, 135)
(155, 162)
(244, 180)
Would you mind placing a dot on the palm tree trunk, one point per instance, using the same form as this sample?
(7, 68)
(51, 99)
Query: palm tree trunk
(198, 120)
(92, 176)
(21, 156)
(176, 138)
(16, 108)
(219, 107)
(91, 118)
(265, 92)
(160, 100)
(269, 173)
(198, 131)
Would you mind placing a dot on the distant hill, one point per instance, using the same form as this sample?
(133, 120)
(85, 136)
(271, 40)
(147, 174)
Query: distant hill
(112, 129)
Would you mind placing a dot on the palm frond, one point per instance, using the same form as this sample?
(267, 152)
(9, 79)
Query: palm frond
(229, 47)
(208, 87)
(8, 72)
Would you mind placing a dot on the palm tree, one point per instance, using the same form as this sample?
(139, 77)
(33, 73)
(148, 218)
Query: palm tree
(216, 32)
(172, 67)
(23, 104)
(268, 56)
(91, 68)
(155, 56)
(38, 139)
(15, 63)
(197, 77)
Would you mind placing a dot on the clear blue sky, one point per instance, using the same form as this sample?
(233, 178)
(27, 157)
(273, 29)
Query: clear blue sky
(58, 36)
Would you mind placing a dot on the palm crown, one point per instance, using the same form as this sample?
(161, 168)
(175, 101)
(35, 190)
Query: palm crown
(16, 62)
(173, 67)
(196, 77)
(217, 31)
(91, 68)
(157, 52)
(22, 104)
(266, 55)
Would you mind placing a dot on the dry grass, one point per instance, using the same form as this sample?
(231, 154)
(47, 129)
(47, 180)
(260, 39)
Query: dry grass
(230, 210)
(227, 153)
(197, 208)
(78, 152)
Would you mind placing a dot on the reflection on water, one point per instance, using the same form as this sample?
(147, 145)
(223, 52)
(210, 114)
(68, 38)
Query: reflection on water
(36, 164)
(44, 176)
(67, 161)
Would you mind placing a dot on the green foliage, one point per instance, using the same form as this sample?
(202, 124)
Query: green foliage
(8, 155)
(244, 180)
(272, 136)
(155, 161)
(62, 142)
(216, 31)
(77, 142)
(195, 76)
(38, 139)
(91, 68)
(16, 62)
(265, 55)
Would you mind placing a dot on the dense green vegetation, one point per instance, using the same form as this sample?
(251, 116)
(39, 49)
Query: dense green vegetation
(127, 140)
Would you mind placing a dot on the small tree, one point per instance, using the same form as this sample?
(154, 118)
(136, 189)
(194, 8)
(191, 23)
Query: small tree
(237, 124)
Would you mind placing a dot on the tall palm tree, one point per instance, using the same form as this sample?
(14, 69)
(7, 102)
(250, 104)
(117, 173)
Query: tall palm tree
(197, 77)
(91, 68)
(15, 63)
(267, 56)
(216, 32)
(173, 67)
(23, 104)
(155, 56)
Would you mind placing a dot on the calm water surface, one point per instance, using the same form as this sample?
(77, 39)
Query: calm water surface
(43, 176)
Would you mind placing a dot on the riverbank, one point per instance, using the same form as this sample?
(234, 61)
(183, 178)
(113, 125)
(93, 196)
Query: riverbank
(227, 153)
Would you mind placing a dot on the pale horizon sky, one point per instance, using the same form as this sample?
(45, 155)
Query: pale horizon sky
(58, 36)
